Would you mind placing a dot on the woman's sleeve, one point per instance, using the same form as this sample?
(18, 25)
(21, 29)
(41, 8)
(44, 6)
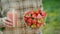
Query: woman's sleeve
(1, 22)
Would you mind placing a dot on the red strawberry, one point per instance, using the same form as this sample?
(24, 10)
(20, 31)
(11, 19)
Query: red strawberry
(38, 25)
(34, 21)
(39, 16)
(34, 16)
(29, 20)
(43, 14)
(25, 19)
(28, 24)
(38, 11)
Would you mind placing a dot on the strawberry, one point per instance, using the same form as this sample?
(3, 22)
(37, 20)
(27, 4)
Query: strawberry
(28, 24)
(42, 20)
(34, 16)
(38, 11)
(39, 16)
(39, 20)
(33, 26)
(43, 14)
(25, 19)
(34, 21)
(29, 20)
(38, 25)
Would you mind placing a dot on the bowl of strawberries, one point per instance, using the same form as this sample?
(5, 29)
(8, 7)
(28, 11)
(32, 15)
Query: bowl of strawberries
(34, 18)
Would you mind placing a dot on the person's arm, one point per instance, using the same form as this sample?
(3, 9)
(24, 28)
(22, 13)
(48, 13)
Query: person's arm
(2, 21)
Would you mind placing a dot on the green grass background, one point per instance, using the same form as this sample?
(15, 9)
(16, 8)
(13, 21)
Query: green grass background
(52, 8)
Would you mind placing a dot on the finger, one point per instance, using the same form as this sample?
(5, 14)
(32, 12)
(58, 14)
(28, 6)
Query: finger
(7, 25)
(7, 21)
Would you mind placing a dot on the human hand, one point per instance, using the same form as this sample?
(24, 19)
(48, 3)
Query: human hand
(8, 21)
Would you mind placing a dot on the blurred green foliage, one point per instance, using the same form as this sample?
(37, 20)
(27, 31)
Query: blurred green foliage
(52, 8)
